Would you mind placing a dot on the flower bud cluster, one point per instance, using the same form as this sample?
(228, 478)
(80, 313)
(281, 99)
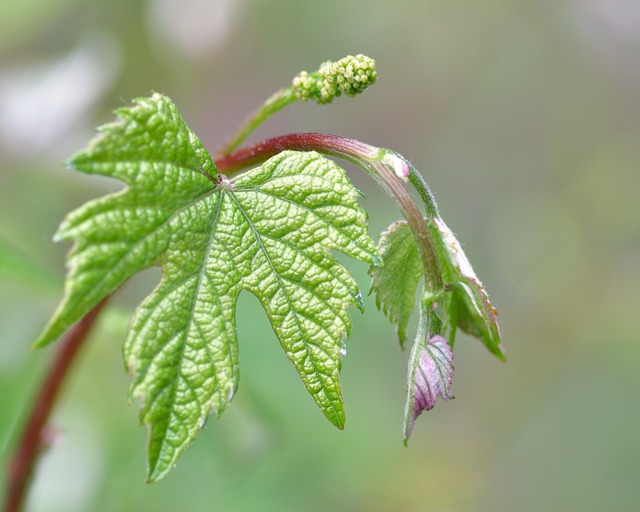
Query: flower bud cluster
(350, 75)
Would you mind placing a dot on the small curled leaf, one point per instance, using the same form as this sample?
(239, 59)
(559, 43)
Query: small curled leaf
(395, 282)
(430, 376)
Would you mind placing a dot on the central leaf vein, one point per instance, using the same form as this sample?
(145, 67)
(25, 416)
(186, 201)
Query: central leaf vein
(308, 354)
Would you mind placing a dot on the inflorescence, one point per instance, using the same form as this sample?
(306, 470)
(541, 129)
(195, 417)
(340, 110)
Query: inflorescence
(350, 75)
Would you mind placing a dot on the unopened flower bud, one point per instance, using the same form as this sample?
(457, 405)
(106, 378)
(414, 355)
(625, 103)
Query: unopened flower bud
(350, 75)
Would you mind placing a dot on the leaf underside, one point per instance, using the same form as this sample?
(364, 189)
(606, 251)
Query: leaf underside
(269, 231)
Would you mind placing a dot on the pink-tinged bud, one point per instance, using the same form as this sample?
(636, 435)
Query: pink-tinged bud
(430, 376)
(398, 164)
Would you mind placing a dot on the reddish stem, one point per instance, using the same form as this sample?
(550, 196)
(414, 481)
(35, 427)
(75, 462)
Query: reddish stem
(324, 143)
(34, 436)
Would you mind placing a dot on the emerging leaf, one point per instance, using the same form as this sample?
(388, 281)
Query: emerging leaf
(470, 308)
(465, 301)
(430, 376)
(270, 231)
(395, 282)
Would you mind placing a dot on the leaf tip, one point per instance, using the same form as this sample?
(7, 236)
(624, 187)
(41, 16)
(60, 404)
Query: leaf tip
(39, 343)
(335, 414)
(154, 476)
(50, 334)
(338, 419)
(155, 470)
(402, 335)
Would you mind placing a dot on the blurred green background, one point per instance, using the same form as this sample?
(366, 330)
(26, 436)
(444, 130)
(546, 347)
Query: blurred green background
(523, 115)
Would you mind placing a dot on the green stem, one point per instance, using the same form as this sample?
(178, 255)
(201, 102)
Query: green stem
(418, 182)
(275, 102)
(387, 168)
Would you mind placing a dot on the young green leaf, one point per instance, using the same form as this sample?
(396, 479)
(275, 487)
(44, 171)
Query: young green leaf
(269, 231)
(469, 306)
(395, 282)
(465, 300)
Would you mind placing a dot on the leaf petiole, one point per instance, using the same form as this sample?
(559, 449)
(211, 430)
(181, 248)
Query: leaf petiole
(273, 104)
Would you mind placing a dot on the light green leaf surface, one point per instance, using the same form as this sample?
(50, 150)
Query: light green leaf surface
(395, 282)
(270, 231)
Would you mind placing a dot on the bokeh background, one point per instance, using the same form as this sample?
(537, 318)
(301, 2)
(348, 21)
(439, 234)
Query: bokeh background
(524, 116)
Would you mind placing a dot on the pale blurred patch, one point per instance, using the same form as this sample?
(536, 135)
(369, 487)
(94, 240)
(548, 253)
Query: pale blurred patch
(196, 28)
(70, 471)
(609, 32)
(619, 19)
(42, 104)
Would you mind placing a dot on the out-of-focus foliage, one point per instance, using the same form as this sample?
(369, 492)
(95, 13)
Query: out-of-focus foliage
(524, 116)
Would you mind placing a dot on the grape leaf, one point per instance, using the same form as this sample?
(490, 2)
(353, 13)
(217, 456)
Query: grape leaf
(465, 300)
(396, 281)
(268, 231)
